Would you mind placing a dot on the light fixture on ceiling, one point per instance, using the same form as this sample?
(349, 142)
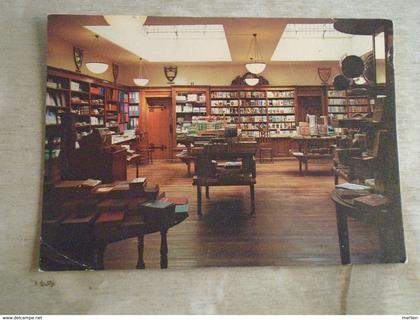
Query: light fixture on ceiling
(251, 79)
(256, 65)
(96, 66)
(142, 80)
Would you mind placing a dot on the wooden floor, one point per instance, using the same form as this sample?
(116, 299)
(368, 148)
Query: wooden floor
(294, 223)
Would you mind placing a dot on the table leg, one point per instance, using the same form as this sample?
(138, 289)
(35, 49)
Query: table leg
(343, 236)
(140, 250)
(252, 191)
(207, 192)
(188, 168)
(137, 168)
(300, 166)
(199, 200)
(306, 166)
(99, 256)
(163, 249)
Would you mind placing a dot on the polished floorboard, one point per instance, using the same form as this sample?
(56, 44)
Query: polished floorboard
(294, 224)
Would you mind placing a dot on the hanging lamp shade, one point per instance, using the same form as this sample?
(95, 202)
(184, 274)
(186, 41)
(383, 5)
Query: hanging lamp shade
(97, 67)
(142, 79)
(141, 82)
(255, 65)
(252, 81)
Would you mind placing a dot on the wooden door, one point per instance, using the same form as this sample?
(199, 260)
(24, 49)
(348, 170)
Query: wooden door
(159, 130)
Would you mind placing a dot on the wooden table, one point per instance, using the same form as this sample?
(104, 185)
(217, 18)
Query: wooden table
(84, 222)
(306, 151)
(205, 177)
(382, 219)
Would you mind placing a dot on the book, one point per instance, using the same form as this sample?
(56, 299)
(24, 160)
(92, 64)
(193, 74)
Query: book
(352, 186)
(90, 183)
(351, 194)
(112, 216)
(151, 192)
(373, 201)
(138, 181)
(176, 201)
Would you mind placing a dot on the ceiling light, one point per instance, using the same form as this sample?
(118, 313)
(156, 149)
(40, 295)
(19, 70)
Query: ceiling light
(141, 82)
(142, 79)
(255, 66)
(96, 66)
(252, 81)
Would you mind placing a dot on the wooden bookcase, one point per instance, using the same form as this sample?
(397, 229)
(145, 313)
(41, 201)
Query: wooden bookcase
(189, 103)
(271, 108)
(343, 106)
(134, 108)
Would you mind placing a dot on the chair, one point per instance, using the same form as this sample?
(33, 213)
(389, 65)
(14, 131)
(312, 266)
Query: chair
(143, 148)
(264, 144)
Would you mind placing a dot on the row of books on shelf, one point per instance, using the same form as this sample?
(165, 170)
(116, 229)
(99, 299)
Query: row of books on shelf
(79, 86)
(97, 111)
(55, 83)
(56, 99)
(253, 94)
(340, 116)
(336, 93)
(220, 111)
(113, 94)
(253, 103)
(281, 94)
(340, 101)
(289, 118)
(282, 102)
(191, 97)
(281, 110)
(224, 103)
(112, 107)
(97, 90)
(97, 121)
(123, 117)
(97, 102)
(123, 126)
(134, 122)
(134, 111)
(282, 126)
(337, 109)
(81, 110)
(253, 119)
(52, 118)
(79, 100)
(362, 109)
(134, 97)
(189, 108)
(252, 110)
(358, 101)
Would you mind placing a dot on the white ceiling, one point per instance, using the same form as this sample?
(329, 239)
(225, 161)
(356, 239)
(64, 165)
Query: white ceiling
(205, 40)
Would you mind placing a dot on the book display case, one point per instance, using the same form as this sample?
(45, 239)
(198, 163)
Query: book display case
(133, 109)
(343, 106)
(272, 109)
(190, 104)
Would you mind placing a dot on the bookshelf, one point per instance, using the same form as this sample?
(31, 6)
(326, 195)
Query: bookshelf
(256, 109)
(190, 104)
(133, 109)
(343, 106)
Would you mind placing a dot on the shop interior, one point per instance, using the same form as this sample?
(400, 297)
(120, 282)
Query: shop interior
(176, 142)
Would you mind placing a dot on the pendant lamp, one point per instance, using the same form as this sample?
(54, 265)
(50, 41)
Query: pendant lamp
(97, 67)
(251, 79)
(142, 80)
(255, 65)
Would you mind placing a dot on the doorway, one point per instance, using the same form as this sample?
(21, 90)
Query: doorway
(159, 125)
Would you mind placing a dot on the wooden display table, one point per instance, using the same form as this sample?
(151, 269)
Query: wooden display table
(78, 224)
(312, 147)
(207, 173)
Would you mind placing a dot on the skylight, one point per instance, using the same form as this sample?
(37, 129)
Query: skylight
(177, 43)
(318, 42)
